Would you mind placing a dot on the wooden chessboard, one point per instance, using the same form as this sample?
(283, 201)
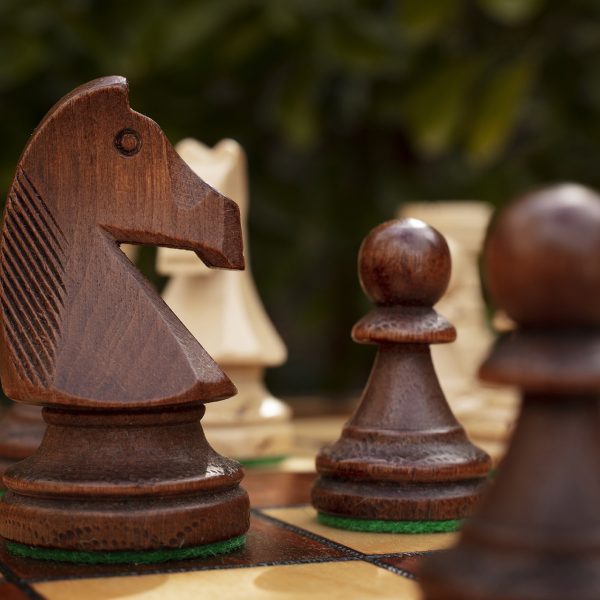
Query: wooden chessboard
(287, 553)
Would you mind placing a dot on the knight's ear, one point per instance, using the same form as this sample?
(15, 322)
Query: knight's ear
(106, 90)
(104, 96)
(92, 96)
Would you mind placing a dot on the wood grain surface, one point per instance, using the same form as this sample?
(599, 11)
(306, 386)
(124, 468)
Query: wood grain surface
(402, 455)
(124, 464)
(537, 532)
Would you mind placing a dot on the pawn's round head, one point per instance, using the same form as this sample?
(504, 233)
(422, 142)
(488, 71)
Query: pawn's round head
(542, 258)
(404, 262)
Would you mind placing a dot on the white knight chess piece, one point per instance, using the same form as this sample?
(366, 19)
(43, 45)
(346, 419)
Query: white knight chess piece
(222, 309)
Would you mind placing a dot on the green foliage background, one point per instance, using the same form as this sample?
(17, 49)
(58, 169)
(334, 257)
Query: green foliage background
(346, 108)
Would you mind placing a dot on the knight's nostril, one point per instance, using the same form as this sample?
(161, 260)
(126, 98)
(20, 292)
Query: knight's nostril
(128, 142)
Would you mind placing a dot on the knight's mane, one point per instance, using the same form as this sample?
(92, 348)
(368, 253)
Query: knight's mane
(32, 289)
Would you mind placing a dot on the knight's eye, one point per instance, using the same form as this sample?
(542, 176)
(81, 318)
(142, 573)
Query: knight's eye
(128, 142)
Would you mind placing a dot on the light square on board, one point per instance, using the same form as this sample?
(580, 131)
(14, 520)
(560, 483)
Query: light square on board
(305, 517)
(327, 581)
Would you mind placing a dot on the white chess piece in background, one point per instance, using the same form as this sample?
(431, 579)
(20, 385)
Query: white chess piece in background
(486, 412)
(223, 311)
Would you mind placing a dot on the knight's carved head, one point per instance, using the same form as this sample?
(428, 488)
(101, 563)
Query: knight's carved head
(94, 171)
(114, 168)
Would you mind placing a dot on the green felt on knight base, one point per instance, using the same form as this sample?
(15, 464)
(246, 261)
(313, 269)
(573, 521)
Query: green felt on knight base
(136, 557)
(381, 526)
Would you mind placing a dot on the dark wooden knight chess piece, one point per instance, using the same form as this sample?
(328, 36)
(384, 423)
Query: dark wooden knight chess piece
(124, 465)
(21, 432)
(403, 462)
(536, 535)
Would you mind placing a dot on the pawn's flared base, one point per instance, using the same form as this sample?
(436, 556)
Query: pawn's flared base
(381, 526)
(397, 501)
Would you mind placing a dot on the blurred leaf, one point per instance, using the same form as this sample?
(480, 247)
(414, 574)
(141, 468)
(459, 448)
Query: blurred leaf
(245, 40)
(363, 45)
(298, 116)
(497, 111)
(422, 20)
(345, 108)
(434, 108)
(21, 58)
(281, 17)
(191, 25)
(512, 11)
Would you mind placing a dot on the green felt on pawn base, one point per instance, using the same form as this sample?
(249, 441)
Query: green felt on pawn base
(136, 557)
(265, 461)
(381, 526)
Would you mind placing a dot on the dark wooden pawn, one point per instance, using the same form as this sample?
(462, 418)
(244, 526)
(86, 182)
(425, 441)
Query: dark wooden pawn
(402, 456)
(536, 535)
(124, 465)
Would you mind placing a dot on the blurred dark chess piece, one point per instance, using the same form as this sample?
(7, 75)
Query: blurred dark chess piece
(124, 472)
(537, 532)
(403, 463)
(21, 432)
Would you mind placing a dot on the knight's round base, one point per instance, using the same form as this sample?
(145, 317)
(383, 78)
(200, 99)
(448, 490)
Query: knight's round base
(381, 526)
(21, 431)
(397, 501)
(129, 524)
(126, 557)
(251, 442)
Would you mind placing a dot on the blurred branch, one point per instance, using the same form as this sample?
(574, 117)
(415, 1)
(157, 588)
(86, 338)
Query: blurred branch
(346, 109)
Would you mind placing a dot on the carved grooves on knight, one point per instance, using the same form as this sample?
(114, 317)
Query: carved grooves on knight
(32, 289)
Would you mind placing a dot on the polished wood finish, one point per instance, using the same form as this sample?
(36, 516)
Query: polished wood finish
(537, 533)
(276, 538)
(487, 412)
(402, 455)
(21, 432)
(124, 464)
(267, 541)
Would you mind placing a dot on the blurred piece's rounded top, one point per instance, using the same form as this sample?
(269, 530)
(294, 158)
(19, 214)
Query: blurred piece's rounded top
(404, 262)
(542, 258)
(463, 220)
